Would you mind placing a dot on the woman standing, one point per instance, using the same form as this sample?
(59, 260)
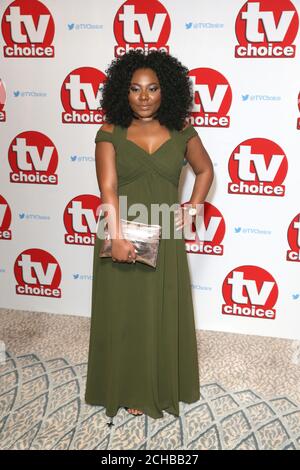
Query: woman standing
(143, 350)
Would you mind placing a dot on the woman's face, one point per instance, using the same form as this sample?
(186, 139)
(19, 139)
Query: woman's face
(144, 93)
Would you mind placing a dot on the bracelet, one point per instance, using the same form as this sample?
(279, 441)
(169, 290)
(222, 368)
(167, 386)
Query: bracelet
(194, 208)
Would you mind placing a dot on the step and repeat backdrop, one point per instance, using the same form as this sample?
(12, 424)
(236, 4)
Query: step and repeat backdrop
(244, 62)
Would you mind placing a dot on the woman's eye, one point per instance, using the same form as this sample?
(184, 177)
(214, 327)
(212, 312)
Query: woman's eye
(151, 89)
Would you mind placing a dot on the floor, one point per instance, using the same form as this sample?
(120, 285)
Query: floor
(250, 392)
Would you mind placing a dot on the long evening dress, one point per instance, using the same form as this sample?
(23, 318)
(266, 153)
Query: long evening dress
(143, 350)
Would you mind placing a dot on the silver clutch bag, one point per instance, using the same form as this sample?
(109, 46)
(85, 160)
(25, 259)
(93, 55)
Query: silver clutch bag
(145, 239)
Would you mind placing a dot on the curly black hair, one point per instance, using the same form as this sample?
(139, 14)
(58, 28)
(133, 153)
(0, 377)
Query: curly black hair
(176, 88)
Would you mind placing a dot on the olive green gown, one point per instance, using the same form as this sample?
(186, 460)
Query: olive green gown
(143, 350)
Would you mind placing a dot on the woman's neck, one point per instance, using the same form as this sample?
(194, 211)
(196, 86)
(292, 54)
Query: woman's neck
(145, 119)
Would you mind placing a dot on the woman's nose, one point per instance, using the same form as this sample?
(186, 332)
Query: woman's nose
(144, 95)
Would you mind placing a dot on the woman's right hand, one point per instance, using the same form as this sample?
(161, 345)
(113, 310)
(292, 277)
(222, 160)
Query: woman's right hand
(123, 251)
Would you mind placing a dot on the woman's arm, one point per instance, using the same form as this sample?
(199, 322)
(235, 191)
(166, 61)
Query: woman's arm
(108, 184)
(107, 180)
(202, 166)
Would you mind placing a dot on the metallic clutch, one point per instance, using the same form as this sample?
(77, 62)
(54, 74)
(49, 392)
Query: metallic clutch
(145, 239)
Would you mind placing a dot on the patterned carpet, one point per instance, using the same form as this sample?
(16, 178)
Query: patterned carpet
(42, 404)
(42, 407)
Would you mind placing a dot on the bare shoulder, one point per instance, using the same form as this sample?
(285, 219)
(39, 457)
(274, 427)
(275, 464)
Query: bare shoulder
(186, 126)
(107, 127)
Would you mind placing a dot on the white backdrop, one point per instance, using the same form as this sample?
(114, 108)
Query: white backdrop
(243, 59)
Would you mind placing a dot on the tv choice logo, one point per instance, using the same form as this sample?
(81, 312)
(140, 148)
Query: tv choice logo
(2, 101)
(257, 166)
(80, 96)
(28, 30)
(293, 238)
(80, 219)
(5, 219)
(207, 232)
(266, 29)
(33, 159)
(37, 273)
(250, 291)
(212, 98)
(141, 25)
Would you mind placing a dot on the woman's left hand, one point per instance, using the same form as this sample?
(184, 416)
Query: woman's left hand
(183, 218)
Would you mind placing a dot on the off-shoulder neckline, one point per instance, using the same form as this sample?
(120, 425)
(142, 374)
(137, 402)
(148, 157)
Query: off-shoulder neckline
(182, 130)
